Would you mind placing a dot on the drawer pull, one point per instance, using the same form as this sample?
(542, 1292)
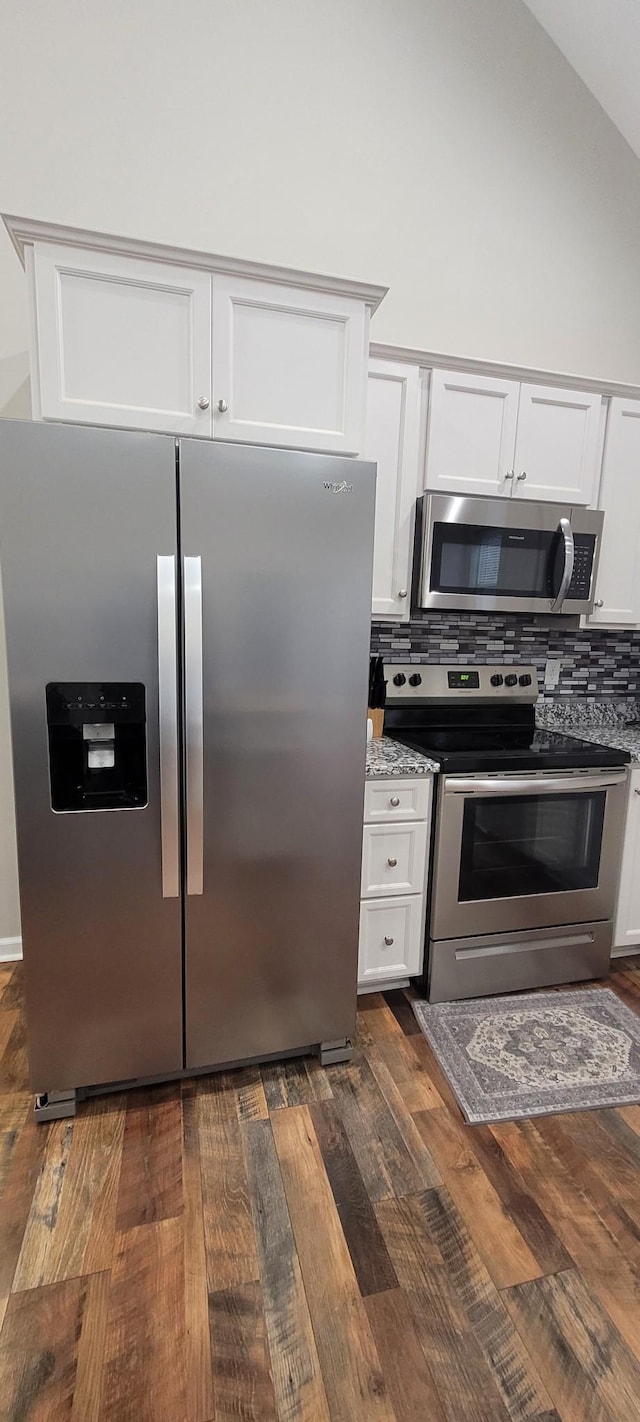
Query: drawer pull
(392, 863)
(395, 801)
(388, 941)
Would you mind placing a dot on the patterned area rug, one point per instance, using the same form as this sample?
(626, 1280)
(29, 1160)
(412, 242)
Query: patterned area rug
(536, 1053)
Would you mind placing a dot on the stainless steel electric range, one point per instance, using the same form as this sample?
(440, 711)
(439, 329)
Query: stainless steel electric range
(527, 832)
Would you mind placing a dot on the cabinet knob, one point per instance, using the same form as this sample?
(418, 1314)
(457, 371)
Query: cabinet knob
(203, 402)
(392, 863)
(509, 474)
(599, 602)
(395, 801)
(520, 476)
(403, 592)
(389, 941)
(223, 407)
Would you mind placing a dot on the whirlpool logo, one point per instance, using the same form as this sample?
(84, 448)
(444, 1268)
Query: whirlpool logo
(342, 488)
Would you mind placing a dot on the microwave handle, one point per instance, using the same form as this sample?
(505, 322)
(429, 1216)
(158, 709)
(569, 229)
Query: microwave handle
(564, 527)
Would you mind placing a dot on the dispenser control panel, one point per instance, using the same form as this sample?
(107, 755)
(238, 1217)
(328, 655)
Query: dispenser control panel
(97, 745)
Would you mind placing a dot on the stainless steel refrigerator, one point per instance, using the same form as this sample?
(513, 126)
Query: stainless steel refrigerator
(188, 634)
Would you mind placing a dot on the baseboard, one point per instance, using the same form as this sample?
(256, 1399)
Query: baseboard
(625, 952)
(10, 950)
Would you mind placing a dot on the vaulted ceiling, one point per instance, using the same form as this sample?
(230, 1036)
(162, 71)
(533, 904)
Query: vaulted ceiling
(601, 40)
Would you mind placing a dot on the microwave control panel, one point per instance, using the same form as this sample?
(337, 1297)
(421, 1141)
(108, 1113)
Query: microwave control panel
(584, 550)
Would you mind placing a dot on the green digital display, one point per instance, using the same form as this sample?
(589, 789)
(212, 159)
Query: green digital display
(463, 680)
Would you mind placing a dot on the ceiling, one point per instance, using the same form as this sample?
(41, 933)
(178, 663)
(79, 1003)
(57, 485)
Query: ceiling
(601, 40)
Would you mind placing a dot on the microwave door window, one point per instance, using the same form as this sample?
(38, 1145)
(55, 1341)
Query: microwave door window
(510, 562)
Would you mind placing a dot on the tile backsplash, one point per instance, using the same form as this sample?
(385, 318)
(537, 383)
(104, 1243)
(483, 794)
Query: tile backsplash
(599, 664)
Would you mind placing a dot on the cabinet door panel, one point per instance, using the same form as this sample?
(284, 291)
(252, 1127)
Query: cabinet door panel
(626, 929)
(471, 434)
(288, 366)
(391, 939)
(393, 440)
(393, 859)
(557, 445)
(123, 341)
(618, 580)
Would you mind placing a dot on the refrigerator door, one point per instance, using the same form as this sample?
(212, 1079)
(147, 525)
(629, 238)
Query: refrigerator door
(84, 515)
(277, 601)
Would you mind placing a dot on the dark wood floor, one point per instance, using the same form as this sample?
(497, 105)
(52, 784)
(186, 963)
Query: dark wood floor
(309, 1245)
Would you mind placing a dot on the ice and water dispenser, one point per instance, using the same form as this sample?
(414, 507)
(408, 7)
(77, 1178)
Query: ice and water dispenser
(97, 745)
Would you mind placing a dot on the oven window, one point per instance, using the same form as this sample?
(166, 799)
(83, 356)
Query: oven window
(530, 844)
(514, 562)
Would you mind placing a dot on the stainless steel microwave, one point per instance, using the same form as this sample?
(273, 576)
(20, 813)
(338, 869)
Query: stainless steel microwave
(505, 555)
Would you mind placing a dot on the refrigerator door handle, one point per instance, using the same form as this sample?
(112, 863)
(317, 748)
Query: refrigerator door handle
(194, 725)
(168, 726)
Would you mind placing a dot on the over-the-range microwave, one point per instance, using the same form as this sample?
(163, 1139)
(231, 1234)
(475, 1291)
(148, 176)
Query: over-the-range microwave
(505, 555)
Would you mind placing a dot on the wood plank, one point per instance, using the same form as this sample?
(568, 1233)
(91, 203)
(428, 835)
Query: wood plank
(45, 1206)
(578, 1155)
(431, 1066)
(401, 1053)
(22, 1177)
(297, 1378)
(151, 1172)
(242, 1379)
(588, 1369)
(87, 1393)
(198, 1368)
(426, 1167)
(297, 1081)
(14, 1108)
(229, 1236)
(372, 1265)
(251, 1102)
(144, 1373)
(8, 1021)
(606, 1271)
(402, 1011)
(531, 1223)
(13, 989)
(521, 1390)
(463, 1380)
(496, 1237)
(14, 1065)
(72, 1231)
(412, 1391)
(350, 1365)
(383, 1159)
(45, 1346)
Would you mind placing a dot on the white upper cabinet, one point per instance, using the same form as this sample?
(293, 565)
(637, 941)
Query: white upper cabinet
(289, 366)
(122, 341)
(148, 337)
(393, 441)
(618, 577)
(471, 433)
(494, 436)
(556, 456)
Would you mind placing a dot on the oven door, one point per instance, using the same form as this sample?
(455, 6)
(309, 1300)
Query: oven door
(502, 555)
(521, 851)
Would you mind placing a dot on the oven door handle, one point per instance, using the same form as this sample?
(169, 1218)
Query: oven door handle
(543, 786)
(564, 527)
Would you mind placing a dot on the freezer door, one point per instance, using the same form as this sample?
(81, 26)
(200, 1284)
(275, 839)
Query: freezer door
(84, 516)
(277, 595)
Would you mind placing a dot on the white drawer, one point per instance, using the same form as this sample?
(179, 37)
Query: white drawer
(391, 939)
(393, 859)
(391, 800)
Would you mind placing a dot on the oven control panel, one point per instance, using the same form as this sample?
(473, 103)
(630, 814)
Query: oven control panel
(414, 682)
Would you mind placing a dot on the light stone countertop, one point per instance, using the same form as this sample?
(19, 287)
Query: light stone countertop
(386, 757)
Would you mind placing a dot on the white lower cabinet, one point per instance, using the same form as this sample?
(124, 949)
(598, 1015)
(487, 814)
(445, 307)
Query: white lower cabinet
(395, 860)
(626, 929)
(391, 939)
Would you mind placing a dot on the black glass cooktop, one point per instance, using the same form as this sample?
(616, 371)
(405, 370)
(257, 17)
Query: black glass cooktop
(469, 748)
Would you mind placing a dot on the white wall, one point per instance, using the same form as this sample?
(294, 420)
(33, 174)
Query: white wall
(441, 146)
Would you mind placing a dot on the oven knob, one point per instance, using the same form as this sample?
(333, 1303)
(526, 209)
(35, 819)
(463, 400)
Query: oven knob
(415, 680)
(497, 680)
(511, 680)
(399, 679)
(525, 680)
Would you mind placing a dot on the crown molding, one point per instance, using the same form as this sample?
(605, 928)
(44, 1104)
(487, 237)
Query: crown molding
(437, 361)
(24, 231)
